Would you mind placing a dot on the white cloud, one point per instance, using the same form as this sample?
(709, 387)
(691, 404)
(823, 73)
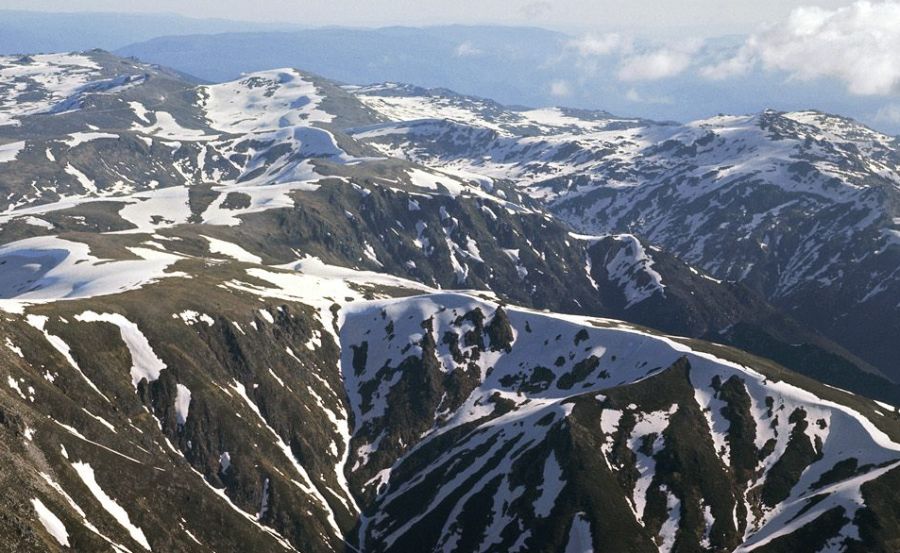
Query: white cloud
(560, 88)
(858, 44)
(600, 45)
(659, 64)
(467, 49)
(635, 64)
(639, 98)
(735, 66)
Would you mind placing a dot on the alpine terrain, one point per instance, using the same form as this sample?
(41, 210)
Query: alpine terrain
(287, 314)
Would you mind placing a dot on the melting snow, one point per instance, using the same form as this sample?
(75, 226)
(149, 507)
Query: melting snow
(144, 362)
(264, 101)
(48, 268)
(9, 152)
(580, 540)
(182, 403)
(630, 260)
(39, 322)
(192, 317)
(12, 347)
(231, 250)
(553, 484)
(51, 522)
(86, 473)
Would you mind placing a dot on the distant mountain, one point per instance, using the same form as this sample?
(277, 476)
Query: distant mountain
(512, 65)
(36, 32)
(507, 63)
(277, 313)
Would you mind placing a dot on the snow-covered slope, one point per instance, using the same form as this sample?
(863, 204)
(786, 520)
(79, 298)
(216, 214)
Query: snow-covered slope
(229, 324)
(389, 415)
(514, 421)
(42, 83)
(163, 153)
(795, 205)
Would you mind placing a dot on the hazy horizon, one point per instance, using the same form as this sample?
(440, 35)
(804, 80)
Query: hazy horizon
(641, 17)
(667, 63)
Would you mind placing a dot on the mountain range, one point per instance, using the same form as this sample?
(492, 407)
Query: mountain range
(624, 71)
(286, 313)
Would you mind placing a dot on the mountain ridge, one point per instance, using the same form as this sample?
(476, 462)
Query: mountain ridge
(228, 324)
(658, 180)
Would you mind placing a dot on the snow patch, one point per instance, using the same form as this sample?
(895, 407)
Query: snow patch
(182, 403)
(86, 473)
(231, 250)
(144, 362)
(51, 522)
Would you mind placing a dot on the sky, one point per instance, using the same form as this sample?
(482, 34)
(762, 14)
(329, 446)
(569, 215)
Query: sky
(640, 17)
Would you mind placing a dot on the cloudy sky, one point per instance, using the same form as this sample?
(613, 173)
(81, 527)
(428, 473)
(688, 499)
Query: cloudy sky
(849, 46)
(635, 16)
